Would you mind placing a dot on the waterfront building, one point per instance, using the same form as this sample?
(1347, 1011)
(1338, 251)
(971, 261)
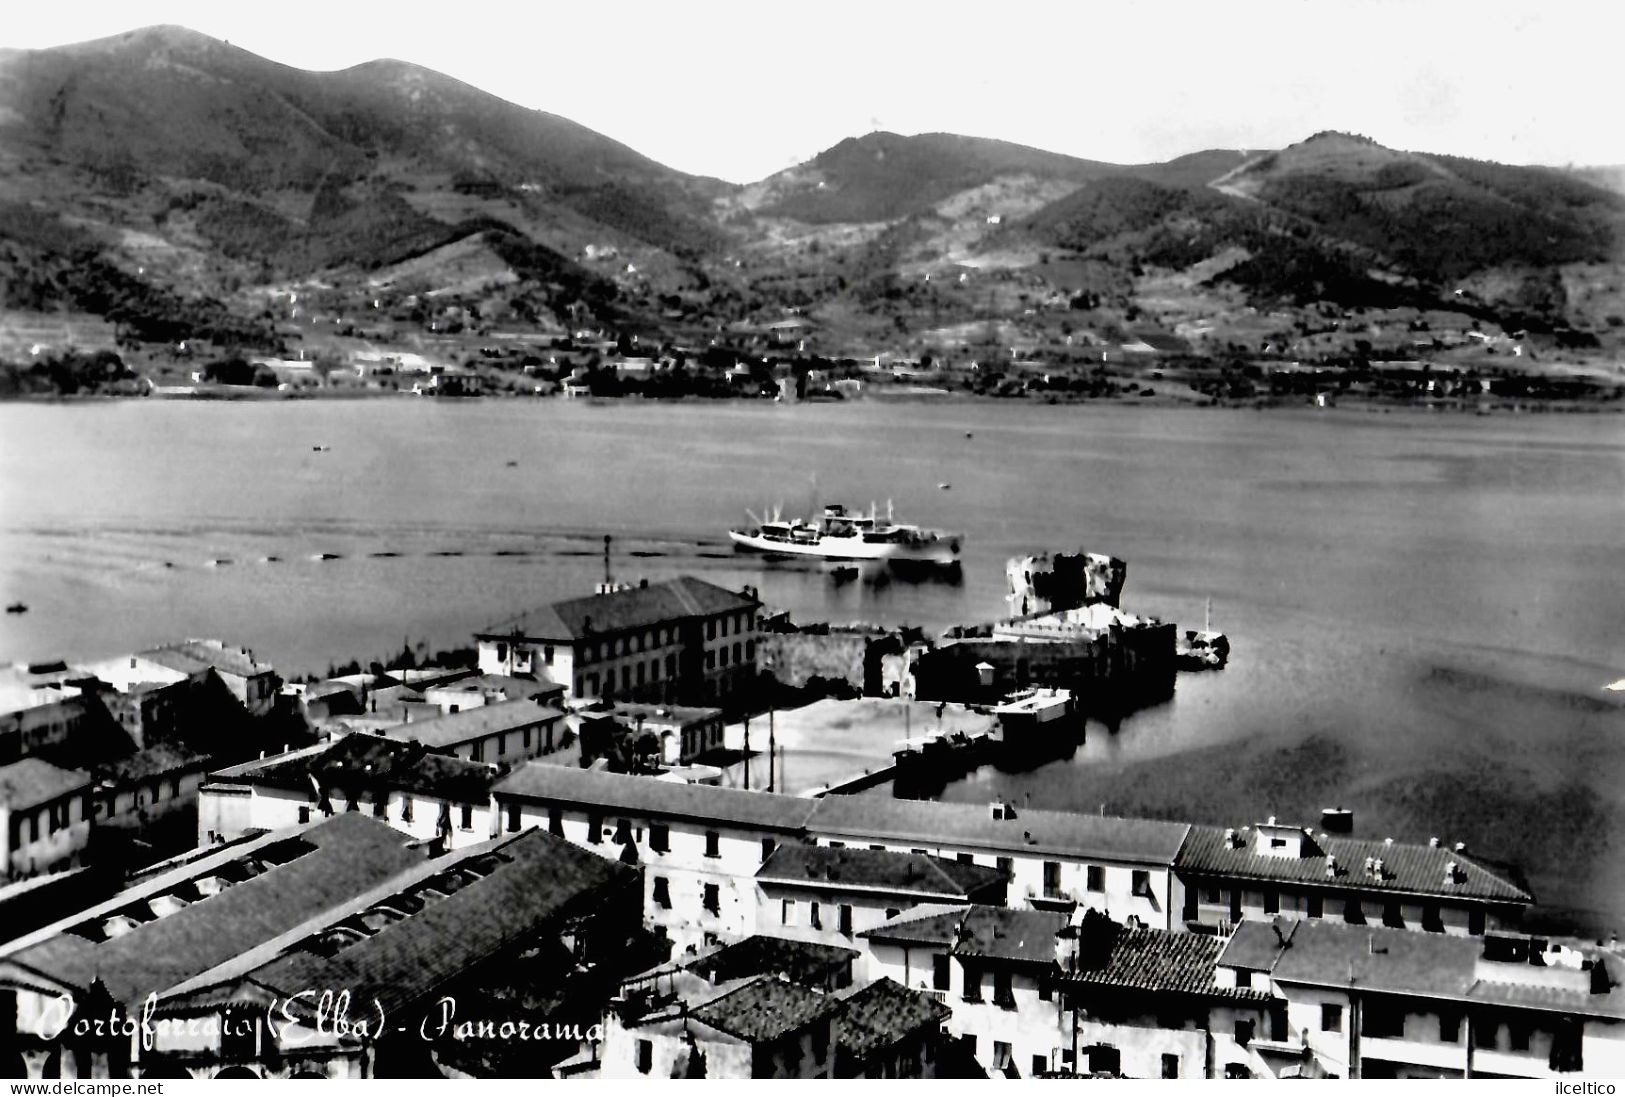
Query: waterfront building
(683, 734)
(252, 682)
(685, 641)
(45, 817)
(700, 846)
(430, 796)
(1373, 1002)
(1276, 869)
(503, 732)
(1054, 859)
(42, 705)
(833, 894)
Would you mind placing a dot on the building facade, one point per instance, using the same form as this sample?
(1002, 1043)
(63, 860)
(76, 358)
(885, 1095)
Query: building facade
(685, 641)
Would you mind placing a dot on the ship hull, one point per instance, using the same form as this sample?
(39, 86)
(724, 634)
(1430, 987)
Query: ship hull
(938, 551)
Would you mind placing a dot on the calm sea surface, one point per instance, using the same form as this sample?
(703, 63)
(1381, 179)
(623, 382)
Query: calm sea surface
(1422, 608)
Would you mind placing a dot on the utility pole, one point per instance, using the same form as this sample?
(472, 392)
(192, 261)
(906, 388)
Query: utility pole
(772, 746)
(747, 751)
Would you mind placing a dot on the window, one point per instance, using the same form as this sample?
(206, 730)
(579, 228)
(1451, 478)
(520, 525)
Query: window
(1003, 996)
(1392, 916)
(1475, 922)
(1045, 990)
(595, 828)
(738, 651)
(1001, 1055)
(1331, 1017)
(646, 1056)
(671, 666)
(722, 626)
(1272, 901)
(820, 1042)
(1170, 1066)
(891, 912)
(713, 844)
(659, 837)
(555, 821)
(1449, 1028)
(623, 831)
(1052, 879)
(712, 900)
(787, 912)
(1431, 921)
(711, 630)
(1142, 883)
(710, 660)
(1244, 978)
(524, 739)
(642, 670)
(768, 845)
(654, 670)
(304, 814)
(406, 809)
(513, 818)
(468, 817)
(502, 745)
(1244, 1032)
(814, 919)
(1007, 867)
(1352, 914)
(939, 971)
(973, 984)
(1313, 905)
(722, 656)
(476, 753)
(661, 893)
(547, 654)
(966, 859)
(845, 922)
(1095, 878)
(1211, 896)
(1517, 1036)
(174, 787)
(502, 654)
(750, 651)
(1378, 1019)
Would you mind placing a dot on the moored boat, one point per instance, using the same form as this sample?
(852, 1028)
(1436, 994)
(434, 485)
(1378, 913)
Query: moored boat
(839, 534)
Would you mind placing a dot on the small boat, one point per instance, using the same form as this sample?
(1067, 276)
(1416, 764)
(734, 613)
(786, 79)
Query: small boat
(1611, 687)
(944, 486)
(970, 434)
(17, 607)
(320, 449)
(845, 573)
(513, 464)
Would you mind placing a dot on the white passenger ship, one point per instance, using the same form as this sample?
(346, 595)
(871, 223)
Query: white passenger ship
(840, 534)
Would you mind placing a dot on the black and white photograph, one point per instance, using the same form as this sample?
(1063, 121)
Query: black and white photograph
(726, 540)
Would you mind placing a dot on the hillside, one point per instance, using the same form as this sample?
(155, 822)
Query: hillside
(182, 189)
(163, 107)
(883, 176)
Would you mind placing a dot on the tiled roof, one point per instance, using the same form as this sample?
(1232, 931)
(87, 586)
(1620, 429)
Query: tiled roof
(498, 896)
(1408, 868)
(880, 869)
(764, 1009)
(1140, 958)
(1255, 945)
(325, 863)
(998, 933)
(362, 763)
(154, 761)
(882, 1014)
(1147, 841)
(804, 962)
(474, 723)
(1434, 965)
(639, 607)
(624, 794)
(33, 781)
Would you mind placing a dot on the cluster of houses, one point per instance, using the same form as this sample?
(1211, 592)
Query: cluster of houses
(521, 869)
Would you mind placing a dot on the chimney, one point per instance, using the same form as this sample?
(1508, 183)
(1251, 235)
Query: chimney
(1461, 847)
(1433, 843)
